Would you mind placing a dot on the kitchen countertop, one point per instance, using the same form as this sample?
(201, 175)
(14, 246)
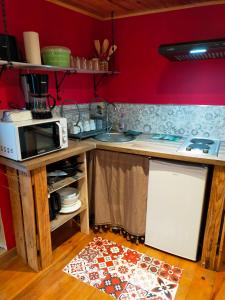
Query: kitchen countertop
(142, 145)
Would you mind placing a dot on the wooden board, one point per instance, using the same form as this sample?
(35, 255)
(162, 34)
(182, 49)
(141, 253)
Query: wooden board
(101, 9)
(82, 186)
(63, 218)
(220, 262)
(75, 148)
(213, 231)
(15, 201)
(64, 182)
(27, 201)
(40, 190)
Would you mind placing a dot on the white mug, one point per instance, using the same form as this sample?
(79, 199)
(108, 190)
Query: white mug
(76, 129)
(81, 126)
(92, 125)
(86, 126)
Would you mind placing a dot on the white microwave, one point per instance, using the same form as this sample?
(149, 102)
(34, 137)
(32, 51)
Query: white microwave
(28, 139)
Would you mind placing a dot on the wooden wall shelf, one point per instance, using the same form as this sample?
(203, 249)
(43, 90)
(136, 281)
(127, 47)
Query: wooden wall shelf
(63, 218)
(48, 68)
(4, 65)
(64, 182)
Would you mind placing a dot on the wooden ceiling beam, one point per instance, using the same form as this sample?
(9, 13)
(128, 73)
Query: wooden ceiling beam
(101, 9)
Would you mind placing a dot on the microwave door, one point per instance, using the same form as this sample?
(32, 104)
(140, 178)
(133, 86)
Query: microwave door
(39, 139)
(27, 142)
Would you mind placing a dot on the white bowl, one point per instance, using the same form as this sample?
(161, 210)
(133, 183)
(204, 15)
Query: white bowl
(69, 202)
(70, 209)
(68, 193)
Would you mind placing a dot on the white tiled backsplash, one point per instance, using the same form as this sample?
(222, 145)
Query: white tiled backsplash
(185, 120)
(94, 110)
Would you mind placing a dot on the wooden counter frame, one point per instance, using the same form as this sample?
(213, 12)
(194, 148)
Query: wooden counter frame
(29, 201)
(214, 237)
(27, 230)
(28, 194)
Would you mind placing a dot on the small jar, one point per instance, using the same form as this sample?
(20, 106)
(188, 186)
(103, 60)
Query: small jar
(104, 66)
(72, 63)
(83, 63)
(77, 62)
(95, 64)
(89, 65)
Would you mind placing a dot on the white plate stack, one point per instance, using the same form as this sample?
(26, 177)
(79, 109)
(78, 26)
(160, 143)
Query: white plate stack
(70, 202)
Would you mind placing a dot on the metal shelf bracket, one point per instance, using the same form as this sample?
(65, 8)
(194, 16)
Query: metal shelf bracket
(58, 83)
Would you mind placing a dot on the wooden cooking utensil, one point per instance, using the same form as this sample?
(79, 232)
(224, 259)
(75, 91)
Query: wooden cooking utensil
(97, 47)
(112, 49)
(105, 46)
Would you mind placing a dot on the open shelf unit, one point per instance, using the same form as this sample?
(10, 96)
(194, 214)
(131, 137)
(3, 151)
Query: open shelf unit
(28, 188)
(4, 65)
(81, 184)
(48, 68)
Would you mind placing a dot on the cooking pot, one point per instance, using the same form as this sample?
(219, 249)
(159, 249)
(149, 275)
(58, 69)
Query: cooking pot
(8, 48)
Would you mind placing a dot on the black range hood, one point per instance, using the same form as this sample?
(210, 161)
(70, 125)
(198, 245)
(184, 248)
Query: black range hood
(198, 50)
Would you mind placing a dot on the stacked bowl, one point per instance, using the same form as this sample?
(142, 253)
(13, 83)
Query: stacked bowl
(69, 198)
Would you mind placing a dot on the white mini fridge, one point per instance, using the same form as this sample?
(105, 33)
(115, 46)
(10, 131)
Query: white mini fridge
(176, 193)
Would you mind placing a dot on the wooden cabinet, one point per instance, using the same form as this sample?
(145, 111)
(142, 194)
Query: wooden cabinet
(29, 200)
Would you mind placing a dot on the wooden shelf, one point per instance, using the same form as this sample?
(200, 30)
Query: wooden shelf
(27, 66)
(64, 182)
(63, 218)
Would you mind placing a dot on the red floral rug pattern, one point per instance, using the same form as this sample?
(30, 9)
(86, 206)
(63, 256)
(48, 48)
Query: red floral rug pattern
(123, 273)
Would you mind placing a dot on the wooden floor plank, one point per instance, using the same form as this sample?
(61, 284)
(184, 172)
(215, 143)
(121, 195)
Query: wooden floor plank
(19, 282)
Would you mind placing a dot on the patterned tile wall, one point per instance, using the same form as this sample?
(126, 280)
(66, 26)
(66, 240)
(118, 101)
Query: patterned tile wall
(185, 120)
(71, 112)
(82, 112)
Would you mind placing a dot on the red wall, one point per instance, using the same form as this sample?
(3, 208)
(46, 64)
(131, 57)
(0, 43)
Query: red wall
(56, 26)
(147, 77)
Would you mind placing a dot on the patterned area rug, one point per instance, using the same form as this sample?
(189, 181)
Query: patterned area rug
(123, 273)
